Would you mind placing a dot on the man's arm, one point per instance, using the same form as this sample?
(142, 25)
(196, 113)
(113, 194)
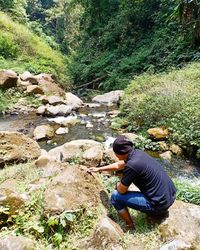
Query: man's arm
(111, 168)
(121, 188)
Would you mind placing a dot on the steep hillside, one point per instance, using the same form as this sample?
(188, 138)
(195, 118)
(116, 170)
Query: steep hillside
(21, 50)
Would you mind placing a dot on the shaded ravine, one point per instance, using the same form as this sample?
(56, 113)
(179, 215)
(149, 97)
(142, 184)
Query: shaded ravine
(99, 118)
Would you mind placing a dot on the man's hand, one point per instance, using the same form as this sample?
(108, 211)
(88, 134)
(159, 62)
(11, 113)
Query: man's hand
(94, 170)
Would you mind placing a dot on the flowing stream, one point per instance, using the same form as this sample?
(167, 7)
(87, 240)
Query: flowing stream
(94, 123)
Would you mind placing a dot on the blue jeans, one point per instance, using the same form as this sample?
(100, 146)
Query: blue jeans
(135, 200)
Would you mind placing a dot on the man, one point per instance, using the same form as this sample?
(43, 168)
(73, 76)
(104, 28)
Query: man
(157, 189)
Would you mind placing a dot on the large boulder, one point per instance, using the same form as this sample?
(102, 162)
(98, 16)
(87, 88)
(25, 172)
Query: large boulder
(43, 132)
(92, 156)
(72, 189)
(183, 224)
(49, 86)
(11, 242)
(73, 101)
(16, 147)
(158, 133)
(109, 156)
(89, 152)
(110, 97)
(8, 79)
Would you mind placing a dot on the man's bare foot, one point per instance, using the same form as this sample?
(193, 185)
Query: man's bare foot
(130, 227)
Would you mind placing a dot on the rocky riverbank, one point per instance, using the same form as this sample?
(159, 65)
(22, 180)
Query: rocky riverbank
(49, 200)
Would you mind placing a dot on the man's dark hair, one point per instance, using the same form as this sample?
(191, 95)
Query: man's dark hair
(122, 145)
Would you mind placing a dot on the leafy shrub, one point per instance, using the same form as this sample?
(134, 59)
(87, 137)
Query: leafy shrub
(188, 192)
(8, 48)
(169, 100)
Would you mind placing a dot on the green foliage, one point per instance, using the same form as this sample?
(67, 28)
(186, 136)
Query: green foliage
(17, 8)
(30, 51)
(169, 100)
(3, 102)
(135, 37)
(8, 48)
(187, 191)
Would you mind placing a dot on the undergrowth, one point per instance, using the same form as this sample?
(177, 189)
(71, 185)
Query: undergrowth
(166, 100)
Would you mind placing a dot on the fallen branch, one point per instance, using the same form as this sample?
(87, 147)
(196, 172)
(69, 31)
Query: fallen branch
(90, 83)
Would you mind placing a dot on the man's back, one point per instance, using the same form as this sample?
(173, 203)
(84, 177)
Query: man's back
(149, 176)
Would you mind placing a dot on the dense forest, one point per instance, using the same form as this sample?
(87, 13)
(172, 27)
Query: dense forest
(107, 43)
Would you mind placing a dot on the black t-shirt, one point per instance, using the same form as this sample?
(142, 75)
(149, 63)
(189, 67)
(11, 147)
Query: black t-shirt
(149, 176)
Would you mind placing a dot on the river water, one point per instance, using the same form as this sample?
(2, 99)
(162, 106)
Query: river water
(94, 123)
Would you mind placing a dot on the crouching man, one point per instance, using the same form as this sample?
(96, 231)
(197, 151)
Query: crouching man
(157, 189)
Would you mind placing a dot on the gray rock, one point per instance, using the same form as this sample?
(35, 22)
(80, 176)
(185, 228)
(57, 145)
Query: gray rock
(43, 132)
(73, 101)
(55, 100)
(28, 77)
(176, 245)
(92, 156)
(182, 224)
(61, 110)
(16, 243)
(106, 235)
(166, 155)
(88, 151)
(110, 97)
(41, 110)
(62, 131)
